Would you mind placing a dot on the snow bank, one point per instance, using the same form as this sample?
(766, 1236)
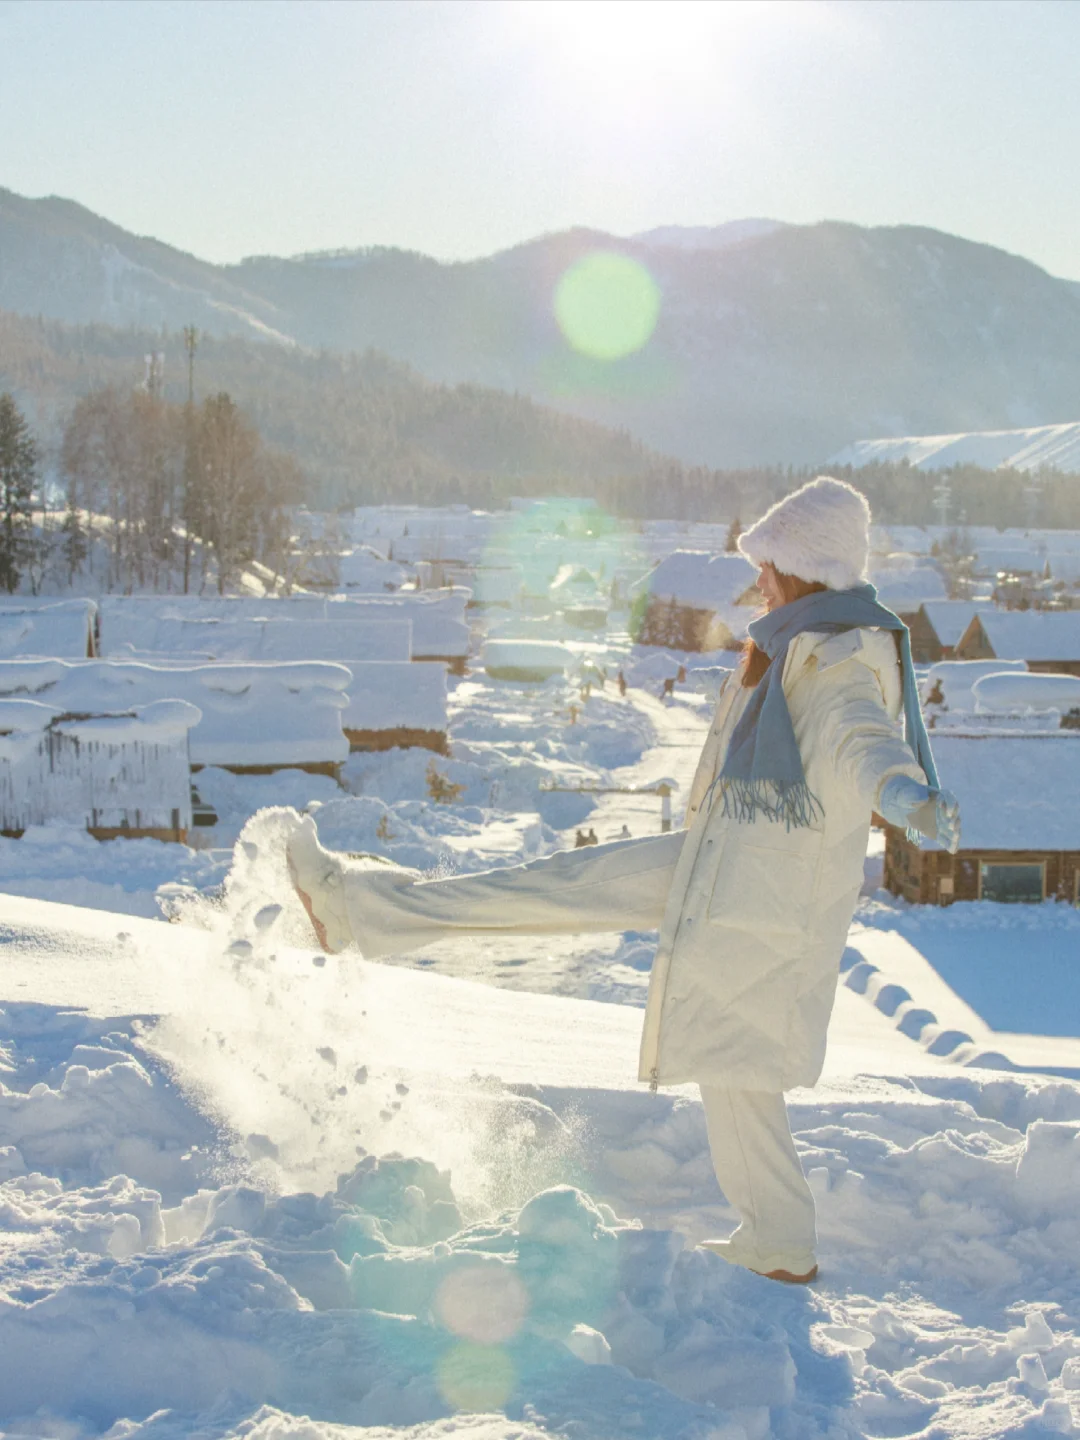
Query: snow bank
(66, 865)
(435, 838)
(157, 1282)
(64, 628)
(955, 680)
(1020, 692)
(251, 714)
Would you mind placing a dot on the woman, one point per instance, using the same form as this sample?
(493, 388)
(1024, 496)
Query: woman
(754, 898)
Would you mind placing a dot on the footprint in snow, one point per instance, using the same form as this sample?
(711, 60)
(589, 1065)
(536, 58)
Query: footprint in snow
(266, 916)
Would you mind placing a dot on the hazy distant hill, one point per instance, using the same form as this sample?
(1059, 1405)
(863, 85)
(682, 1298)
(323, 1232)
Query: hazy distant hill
(365, 427)
(774, 343)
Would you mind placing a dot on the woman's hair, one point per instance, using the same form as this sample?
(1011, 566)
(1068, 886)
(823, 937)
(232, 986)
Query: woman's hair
(754, 660)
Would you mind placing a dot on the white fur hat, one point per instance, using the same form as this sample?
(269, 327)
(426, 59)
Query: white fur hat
(819, 533)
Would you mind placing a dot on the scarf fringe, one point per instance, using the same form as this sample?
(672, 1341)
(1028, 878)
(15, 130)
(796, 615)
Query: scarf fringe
(776, 800)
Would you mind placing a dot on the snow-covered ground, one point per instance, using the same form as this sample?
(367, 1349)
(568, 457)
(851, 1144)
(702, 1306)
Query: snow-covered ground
(243, 1183)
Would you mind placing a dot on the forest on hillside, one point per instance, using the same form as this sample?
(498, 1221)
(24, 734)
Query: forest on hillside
(365, 429)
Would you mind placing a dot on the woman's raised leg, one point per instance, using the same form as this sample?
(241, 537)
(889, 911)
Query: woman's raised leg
(622, 885)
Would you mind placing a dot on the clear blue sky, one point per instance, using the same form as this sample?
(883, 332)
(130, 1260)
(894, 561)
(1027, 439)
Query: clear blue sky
(459, 128)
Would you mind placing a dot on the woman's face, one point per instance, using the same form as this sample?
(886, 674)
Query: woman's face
(769, 586)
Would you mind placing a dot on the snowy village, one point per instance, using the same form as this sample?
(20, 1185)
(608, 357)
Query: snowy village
(539, 794)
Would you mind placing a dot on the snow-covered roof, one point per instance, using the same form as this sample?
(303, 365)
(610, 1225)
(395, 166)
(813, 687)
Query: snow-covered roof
(364, 569)
(246, 641)
(1016, 792)
(396, 696)
(1017, 692)
(64, 629)
(1010, 559)
(950, 618)
(532, 655)
(906, 586)
(155, 721)
(957, 678)
(1032, 634)
(496, 584)
(1051, 446)
(437, 617)
(251, 714)
(698, 579)
(112, 771)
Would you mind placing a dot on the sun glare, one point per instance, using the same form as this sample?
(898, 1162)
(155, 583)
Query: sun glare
(629, 47)
(607, 305)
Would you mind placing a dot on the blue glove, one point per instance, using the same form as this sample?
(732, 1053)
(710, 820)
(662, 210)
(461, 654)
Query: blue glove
(935, 813)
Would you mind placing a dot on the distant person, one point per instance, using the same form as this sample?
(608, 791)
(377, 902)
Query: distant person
(669, 688)
(622, 684)
(580, 839)
(590, 838)
(754, 898)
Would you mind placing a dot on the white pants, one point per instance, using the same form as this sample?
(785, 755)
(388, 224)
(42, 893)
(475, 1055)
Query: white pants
(760, 1174)
(622, 885)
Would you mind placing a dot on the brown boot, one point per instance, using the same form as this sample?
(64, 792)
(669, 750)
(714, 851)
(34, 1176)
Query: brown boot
(788, 1278)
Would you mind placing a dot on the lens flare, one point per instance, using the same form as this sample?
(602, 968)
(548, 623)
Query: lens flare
(607, 305)
(476, 1377)
(485, 1302)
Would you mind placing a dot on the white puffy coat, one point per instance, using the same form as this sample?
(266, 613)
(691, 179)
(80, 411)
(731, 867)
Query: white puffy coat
(744, 979)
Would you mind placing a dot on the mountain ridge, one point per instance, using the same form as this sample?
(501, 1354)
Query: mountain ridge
(773, 345)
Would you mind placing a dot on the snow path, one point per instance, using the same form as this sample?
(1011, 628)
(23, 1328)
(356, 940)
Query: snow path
(679, 731)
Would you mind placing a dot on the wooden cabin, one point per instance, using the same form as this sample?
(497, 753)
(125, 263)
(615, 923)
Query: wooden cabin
(696, 601)
(253, 719)
(936, 628)
(397, 705)
(1047, 640)
(119, 774)
(1020, 822)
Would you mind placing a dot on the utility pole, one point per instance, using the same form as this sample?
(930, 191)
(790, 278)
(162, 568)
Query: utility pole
(191, 341)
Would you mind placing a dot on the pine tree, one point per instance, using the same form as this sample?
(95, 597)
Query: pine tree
(18, 474)
(74, 542)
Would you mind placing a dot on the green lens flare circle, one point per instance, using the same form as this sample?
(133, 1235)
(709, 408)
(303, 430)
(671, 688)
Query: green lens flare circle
(607, 305)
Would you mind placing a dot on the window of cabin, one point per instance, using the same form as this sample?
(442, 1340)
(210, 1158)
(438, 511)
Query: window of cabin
(1012, 884)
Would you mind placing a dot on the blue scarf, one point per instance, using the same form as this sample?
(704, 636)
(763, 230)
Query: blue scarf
(763, 770)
